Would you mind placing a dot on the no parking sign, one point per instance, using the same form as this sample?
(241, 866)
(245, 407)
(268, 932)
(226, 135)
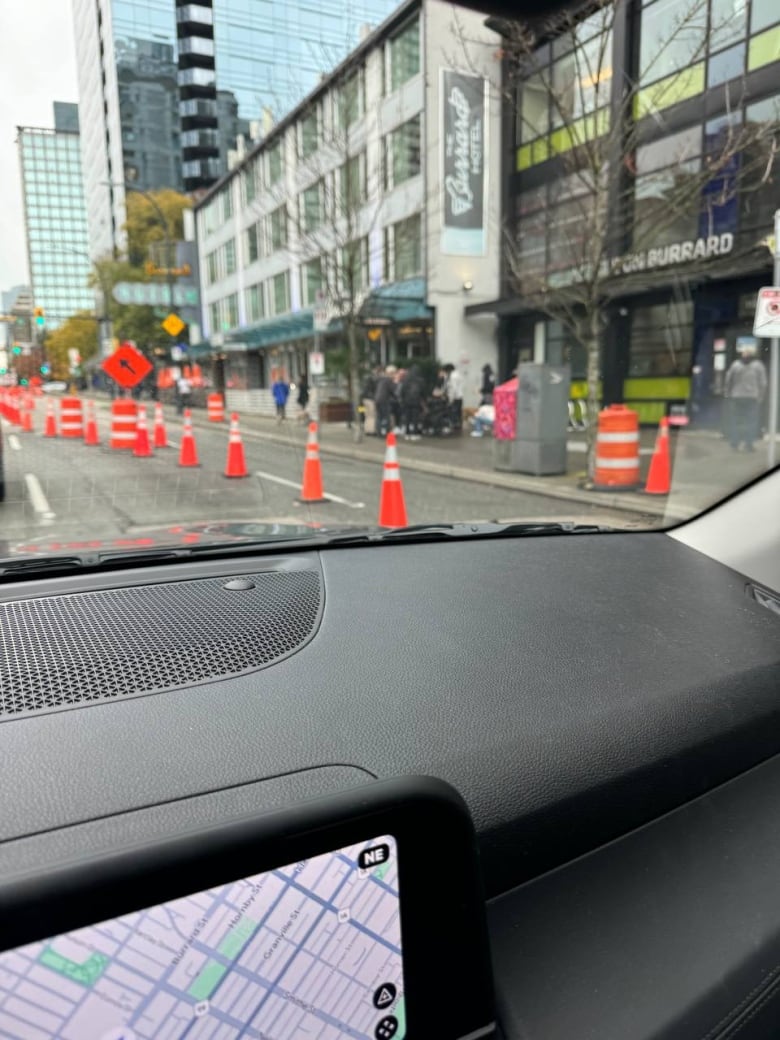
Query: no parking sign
(767, 320)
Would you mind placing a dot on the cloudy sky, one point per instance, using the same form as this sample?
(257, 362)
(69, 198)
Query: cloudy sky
(38, 67)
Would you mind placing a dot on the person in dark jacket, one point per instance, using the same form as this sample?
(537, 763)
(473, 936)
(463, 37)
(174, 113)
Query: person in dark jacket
(411, 394)
(383, 399)
(303, 397)
(487, 386)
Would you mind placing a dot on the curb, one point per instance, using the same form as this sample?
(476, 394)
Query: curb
(515, 482)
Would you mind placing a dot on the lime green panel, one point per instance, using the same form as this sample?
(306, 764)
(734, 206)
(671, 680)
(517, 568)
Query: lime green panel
(540, 150)
(669, 91)
(524, 159)
(669, 388)
(764, 49)
(648, 411)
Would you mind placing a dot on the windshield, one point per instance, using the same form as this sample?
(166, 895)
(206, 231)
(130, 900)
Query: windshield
(276, 277)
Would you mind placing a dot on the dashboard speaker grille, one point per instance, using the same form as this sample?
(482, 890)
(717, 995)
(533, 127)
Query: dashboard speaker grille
(66, 651)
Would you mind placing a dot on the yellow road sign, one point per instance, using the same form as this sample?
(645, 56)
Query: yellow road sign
(173, 324)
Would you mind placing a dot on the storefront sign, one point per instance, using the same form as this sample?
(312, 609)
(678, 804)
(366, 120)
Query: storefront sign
(463, 166)
(677, 253)
(316, 363)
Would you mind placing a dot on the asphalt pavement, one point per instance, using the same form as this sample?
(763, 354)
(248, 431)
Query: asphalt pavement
(60, 490)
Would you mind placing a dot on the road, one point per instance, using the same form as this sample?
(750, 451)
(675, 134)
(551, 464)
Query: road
(58, 489)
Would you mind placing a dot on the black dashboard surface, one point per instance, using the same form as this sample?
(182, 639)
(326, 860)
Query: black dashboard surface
(571, 688)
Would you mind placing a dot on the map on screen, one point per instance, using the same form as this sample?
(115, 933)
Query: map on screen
(311, 951)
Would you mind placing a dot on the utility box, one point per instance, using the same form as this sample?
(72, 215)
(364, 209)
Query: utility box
(542, 417)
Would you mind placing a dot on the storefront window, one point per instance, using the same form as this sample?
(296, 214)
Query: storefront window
(661, 339)
(673, 36)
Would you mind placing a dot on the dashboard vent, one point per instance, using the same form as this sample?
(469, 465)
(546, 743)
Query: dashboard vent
(65, 651)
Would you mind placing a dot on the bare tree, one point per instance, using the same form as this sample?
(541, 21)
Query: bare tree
(617, 211)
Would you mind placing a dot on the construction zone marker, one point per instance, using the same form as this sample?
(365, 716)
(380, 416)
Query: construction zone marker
(91, 438)
(392, 507)
(311, 486)
(236, 462)
(188, 453)
(659, 476)
(160, 433)
(50, 425)
(142, 448)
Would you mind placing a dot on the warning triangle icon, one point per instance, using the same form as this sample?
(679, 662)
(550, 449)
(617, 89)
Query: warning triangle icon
(385, 995)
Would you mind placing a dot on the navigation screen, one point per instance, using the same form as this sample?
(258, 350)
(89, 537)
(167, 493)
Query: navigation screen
(311, 951)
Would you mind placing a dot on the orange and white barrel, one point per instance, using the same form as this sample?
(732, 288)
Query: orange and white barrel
(123, 425)
(215, 407)
(71, 417)
(617, 449)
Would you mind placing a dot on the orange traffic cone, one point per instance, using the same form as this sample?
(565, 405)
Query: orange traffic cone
(50, 427)
(90, 429)
(160, 433)
(188, 453)
(236, 463)
(392, 508)
(142, 449)
(311, 488)
(27, 410)
(659, 474)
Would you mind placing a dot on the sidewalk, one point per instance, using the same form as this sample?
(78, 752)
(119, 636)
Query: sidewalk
(704, 469)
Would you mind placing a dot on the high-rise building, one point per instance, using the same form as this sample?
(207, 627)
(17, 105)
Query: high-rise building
(167, 86)
(55, 215)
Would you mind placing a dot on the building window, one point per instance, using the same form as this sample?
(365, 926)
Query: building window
(311, 281)
(252, 240)
(215, 323)
(308, 133)
(277, 228)
(661, 338)
(673, 37)
(403, 249)
(352, 184)
(402, 153)
(403, 55)
(352, 273)
(667, 190)
(280, 293)
(274, 154)
(212, 267)
(255, 302)
(249, 183)
(230, 257)
(351, 99)
(311, 207)
(227, 204)
(230, 311)
(763, 13)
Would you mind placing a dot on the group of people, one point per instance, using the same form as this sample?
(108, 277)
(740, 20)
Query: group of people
(280, 391)
(402, 402)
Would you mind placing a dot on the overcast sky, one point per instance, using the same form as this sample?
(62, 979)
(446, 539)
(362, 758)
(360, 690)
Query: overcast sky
(38, 67)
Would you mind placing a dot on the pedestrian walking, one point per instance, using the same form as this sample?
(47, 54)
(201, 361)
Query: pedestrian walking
(396, 404)
(746, 385)
(183, 393)
(383, 398)
(281, 391)
(455, 395)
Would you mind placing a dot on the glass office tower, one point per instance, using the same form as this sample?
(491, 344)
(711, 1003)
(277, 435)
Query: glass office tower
(55, 216)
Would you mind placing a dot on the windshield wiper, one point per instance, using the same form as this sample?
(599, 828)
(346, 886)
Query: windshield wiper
(493, 529)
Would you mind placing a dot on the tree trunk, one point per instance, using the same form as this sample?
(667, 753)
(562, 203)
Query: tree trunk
(354, 382)
(593, 348)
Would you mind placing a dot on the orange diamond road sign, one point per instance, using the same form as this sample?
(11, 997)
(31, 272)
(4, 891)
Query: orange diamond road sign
(173, 324)
(127, 366)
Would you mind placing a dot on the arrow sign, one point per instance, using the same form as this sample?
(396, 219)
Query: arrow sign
(127, 366)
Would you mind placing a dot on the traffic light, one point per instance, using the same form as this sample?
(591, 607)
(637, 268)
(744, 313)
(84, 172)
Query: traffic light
(40, 317)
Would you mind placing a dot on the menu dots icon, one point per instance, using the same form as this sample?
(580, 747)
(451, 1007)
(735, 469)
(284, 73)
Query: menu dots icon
(386, 1028)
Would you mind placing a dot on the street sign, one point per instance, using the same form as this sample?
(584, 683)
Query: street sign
(152, 294)
(127, 366)
(767, 320)
(173, 324)
(316, 363)
(320, 311)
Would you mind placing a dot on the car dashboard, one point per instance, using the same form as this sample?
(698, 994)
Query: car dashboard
(606, 705)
